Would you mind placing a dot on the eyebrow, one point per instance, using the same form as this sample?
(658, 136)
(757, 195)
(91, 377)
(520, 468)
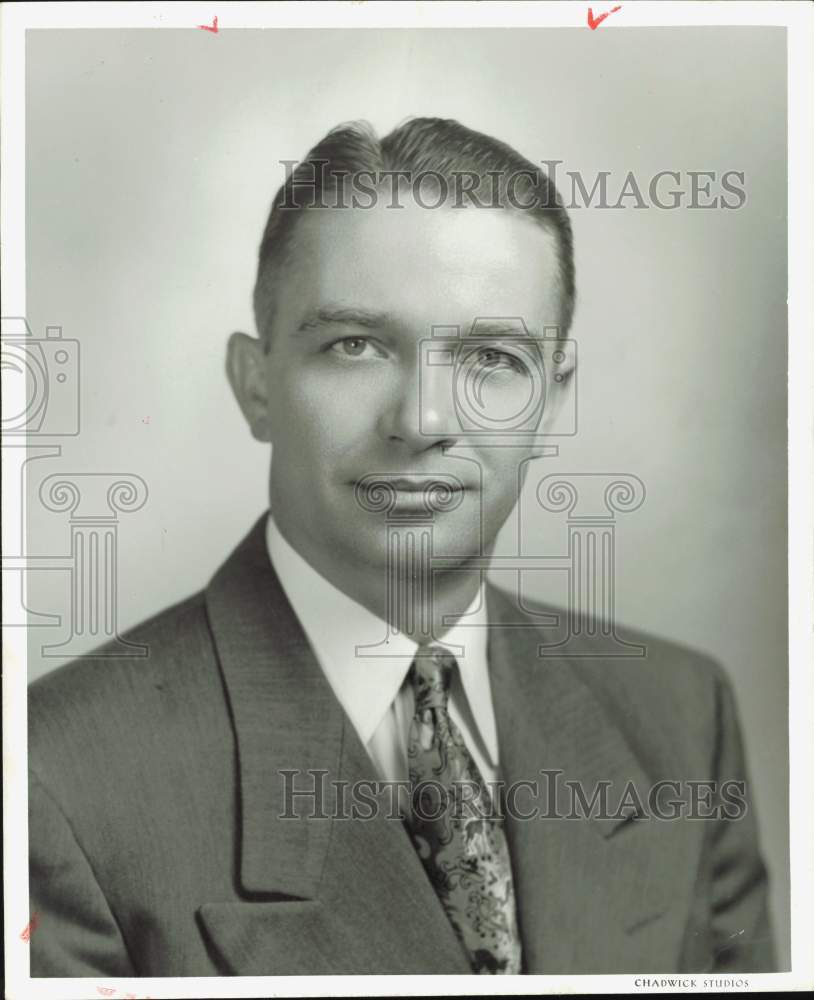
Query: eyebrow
(370, 320)
(345, 316)
(500, 328)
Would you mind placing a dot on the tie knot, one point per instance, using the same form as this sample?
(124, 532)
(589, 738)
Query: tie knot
(431, 676)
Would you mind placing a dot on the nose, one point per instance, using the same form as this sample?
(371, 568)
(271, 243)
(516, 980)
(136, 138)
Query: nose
(421, 414)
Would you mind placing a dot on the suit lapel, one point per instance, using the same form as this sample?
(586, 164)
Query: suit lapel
(593, 894)
(318, 891)
(327, 893)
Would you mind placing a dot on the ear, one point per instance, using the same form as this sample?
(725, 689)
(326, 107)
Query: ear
(246, 362)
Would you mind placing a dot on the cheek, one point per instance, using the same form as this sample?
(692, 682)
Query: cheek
(316, 416)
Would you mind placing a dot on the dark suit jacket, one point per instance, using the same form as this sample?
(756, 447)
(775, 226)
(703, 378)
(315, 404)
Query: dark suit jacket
(158, 847)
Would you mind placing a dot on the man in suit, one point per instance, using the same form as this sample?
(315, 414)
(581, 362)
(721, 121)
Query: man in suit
(227, 806)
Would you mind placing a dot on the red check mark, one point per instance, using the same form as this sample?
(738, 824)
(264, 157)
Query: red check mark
(32, 925)
(213, 27)
(593, 23)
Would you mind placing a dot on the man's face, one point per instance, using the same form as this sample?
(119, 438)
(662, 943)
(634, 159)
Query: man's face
(346, 393)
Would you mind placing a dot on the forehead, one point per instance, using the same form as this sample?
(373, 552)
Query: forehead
(423, 266)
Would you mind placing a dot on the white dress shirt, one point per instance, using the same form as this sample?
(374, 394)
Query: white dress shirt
(374, 690)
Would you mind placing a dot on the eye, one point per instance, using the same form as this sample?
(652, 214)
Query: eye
(356, 347)
(493, 360)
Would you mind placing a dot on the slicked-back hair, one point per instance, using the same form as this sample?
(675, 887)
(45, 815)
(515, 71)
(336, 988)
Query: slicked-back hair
(440, 160)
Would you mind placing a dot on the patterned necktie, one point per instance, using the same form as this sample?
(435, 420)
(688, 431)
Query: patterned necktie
(458, 838)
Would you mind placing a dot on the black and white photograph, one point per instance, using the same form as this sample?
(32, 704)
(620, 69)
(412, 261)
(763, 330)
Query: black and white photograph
(407, 543)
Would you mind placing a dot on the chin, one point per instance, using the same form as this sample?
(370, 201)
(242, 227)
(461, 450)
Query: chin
(455, 535)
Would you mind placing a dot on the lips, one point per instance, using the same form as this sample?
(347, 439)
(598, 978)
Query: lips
(420, 484)
(379, 492)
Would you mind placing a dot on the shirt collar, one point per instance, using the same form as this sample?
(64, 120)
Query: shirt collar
(364, 664)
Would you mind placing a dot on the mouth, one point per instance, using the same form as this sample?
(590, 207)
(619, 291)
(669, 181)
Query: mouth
(423, 484)
(440, 492)
(417, 484)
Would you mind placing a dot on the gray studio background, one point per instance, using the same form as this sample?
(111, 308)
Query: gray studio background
(152, 159)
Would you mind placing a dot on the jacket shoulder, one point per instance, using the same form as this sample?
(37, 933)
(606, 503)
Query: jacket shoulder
(668, 698)
(105, 698)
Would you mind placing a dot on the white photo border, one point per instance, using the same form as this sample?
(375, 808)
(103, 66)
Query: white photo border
(799, 22)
